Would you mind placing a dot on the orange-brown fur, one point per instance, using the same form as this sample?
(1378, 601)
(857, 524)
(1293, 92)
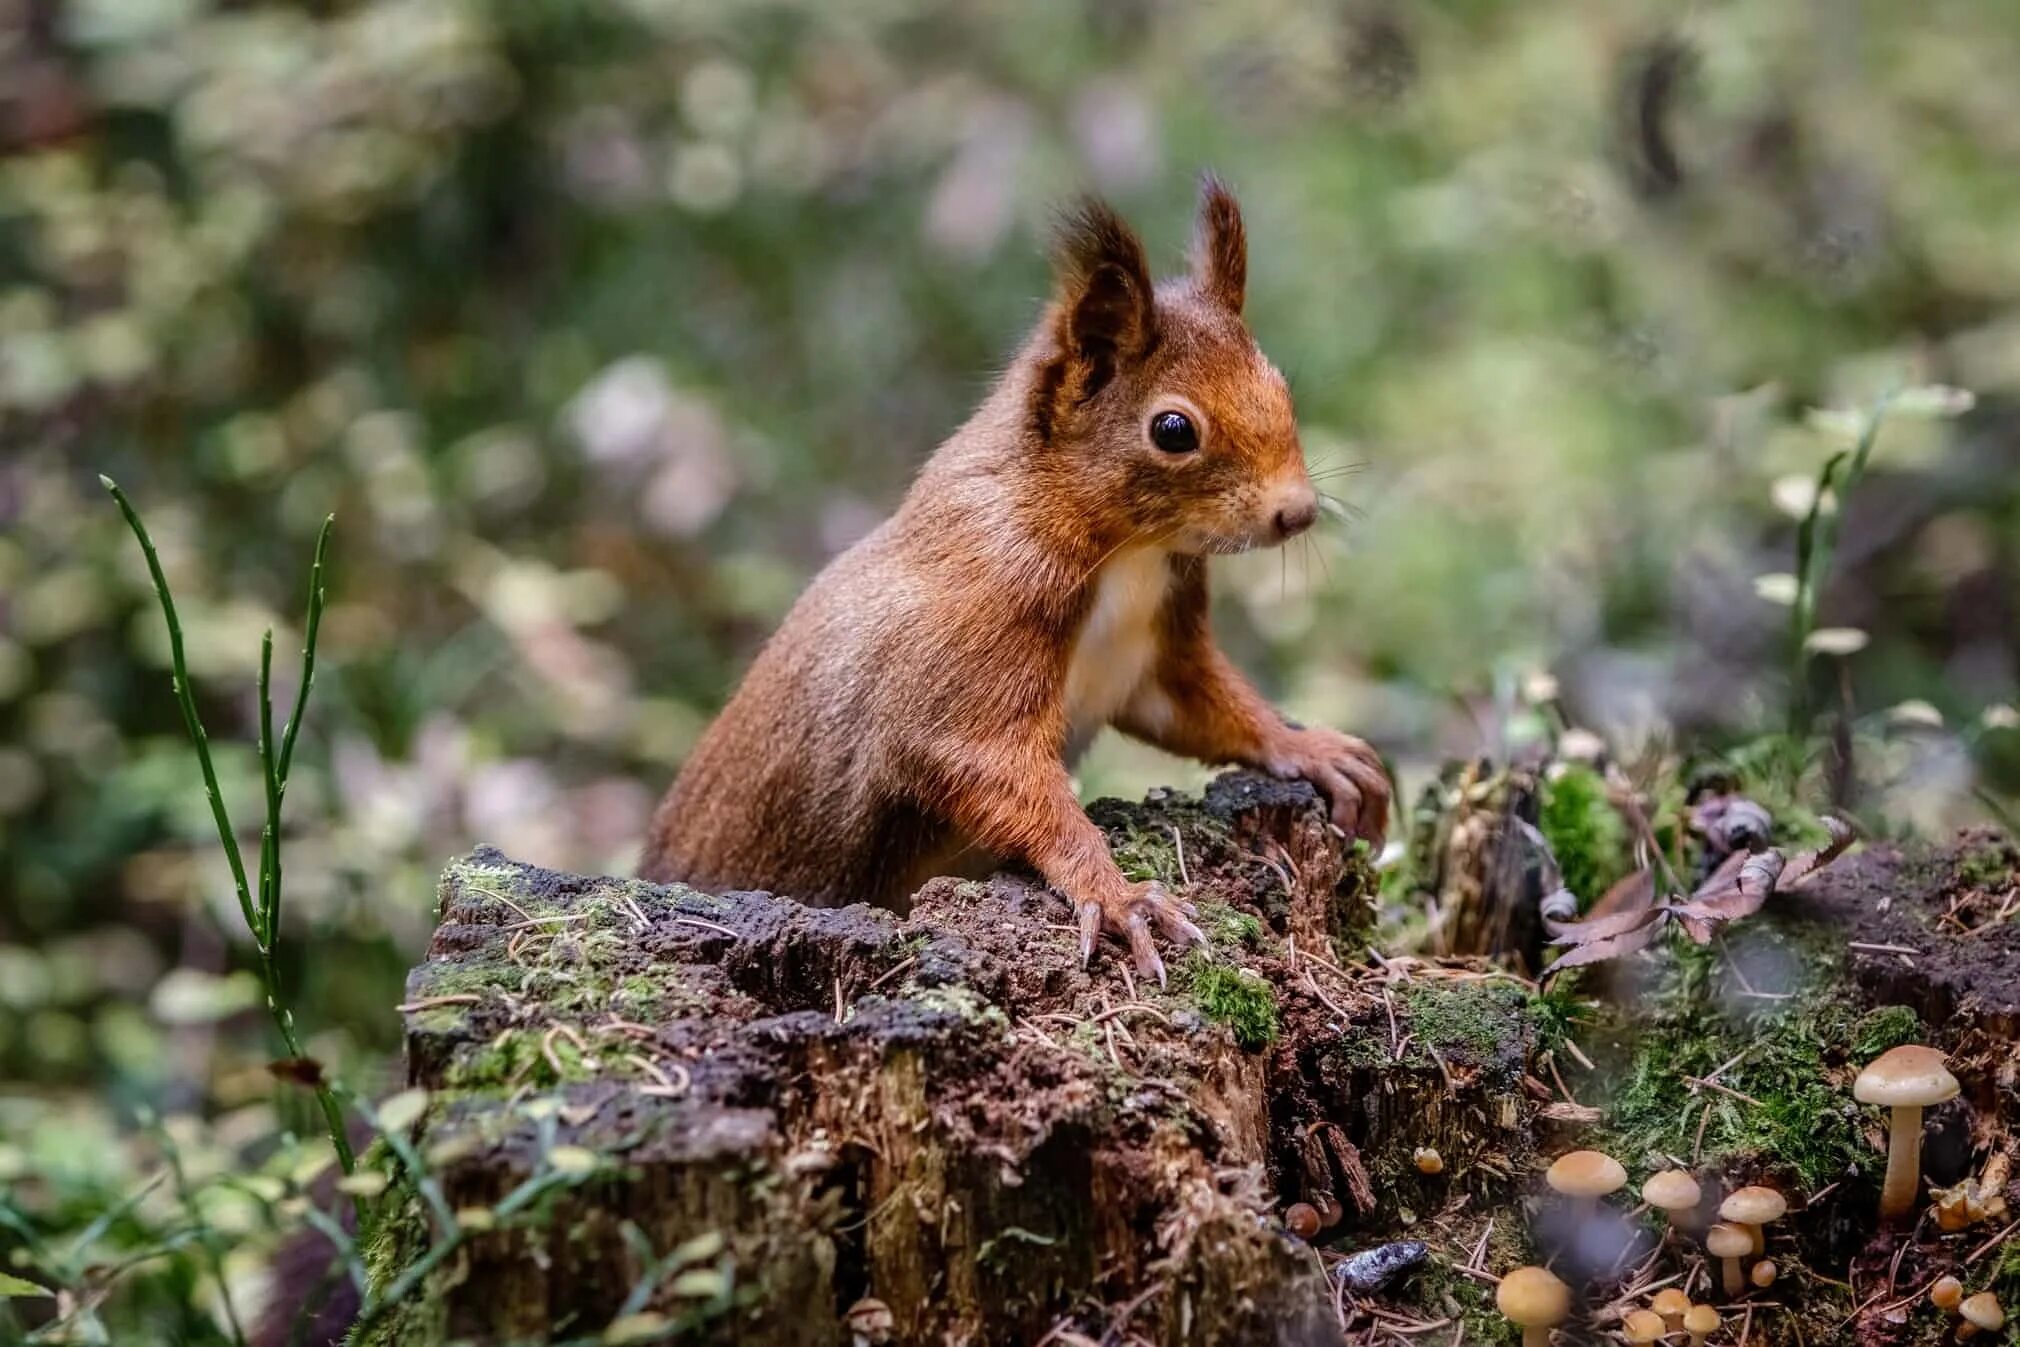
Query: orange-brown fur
(910, 716)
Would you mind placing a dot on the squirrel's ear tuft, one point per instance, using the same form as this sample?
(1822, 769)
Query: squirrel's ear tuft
(1107, 309)
(1220, 245)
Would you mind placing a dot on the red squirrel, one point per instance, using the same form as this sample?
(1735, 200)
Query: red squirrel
(1044, 577)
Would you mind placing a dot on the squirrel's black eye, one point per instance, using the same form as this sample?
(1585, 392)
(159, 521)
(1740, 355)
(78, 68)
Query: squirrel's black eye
(1173, 432)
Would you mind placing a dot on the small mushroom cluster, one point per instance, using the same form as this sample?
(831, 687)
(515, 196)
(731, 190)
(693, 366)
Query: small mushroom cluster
(1587, 1176)
(1980, 1313)
(1671, 1311)
(1738, 1236)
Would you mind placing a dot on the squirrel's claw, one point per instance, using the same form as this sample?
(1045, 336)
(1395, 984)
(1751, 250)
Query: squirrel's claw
(1349, 773)
(1133, 916)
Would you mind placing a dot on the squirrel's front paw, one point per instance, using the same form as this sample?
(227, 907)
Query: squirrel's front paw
(1347, 771)
(1131, 915)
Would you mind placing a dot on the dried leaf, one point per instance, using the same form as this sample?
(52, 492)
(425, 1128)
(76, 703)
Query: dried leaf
(1600, 928)
(1737, 889)
(1611, 946)
(1630, 893)
(1809, 862)
(306, 1072)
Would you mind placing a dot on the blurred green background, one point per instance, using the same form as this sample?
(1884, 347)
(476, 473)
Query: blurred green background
(602, 324)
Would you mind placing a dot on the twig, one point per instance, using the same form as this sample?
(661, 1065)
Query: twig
(1990, 1244)
(890, 973)
(429, 1002)
(705, 925)
(1696, 1082)
(1178, 845)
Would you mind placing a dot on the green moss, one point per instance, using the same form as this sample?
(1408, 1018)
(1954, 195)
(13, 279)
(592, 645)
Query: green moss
(1227, 926)
(1144, 853)
(1885, 1027)
(1247, 1005)
(1785, 1065)
(1989, 867)
(1472, 1017)
(1439, 1292)
(961, 1001)
(1585, 832)
(1559, 1012)
(396, 1235)
(520, 1057)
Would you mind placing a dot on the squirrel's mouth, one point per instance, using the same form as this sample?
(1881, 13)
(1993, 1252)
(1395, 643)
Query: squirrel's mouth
(1204, 544)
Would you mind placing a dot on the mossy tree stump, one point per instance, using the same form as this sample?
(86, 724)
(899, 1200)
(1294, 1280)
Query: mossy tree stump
(943, 1113)
(847, 1126)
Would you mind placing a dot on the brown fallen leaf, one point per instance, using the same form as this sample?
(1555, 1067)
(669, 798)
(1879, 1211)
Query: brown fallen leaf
(1736, 889)
(1728, 897)
(1809, 862)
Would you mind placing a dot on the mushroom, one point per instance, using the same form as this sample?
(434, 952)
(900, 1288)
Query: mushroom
(1946, 1294)
(1752, 1208)
(1302, 1219)
(1534, 1301)
(1585, 1177)
(1729, 1244)
(1907, 1080)
(1675, 1191)
(1980, 1312)
(1763, 1273)
(1700, 1321)
(1643, 1326)
(1672, 1304)
(1428, 1161)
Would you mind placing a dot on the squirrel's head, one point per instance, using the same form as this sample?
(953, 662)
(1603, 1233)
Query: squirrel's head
(1155, 399)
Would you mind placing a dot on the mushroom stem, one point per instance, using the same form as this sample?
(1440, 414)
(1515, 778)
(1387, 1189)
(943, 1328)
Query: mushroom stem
(1759, 1240)
(1735, 1279)
(1536, 1335)
(1904, 1161)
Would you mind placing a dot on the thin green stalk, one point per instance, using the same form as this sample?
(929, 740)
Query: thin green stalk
(262, 920)
(270, 834)
(192, 722)
(312, 625)
(204, 1235)
(1816, 545)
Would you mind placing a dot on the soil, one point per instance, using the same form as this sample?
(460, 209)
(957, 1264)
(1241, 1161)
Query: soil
(840, 1125)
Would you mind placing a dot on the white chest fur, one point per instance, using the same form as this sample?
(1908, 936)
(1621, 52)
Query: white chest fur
(1117, 643)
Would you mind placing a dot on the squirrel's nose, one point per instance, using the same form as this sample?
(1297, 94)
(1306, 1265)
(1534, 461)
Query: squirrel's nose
(1297, 514)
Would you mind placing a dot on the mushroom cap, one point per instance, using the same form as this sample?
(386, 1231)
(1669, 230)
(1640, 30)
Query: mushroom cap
(1644, 1326)
(1946, 1293)
(1983, 1310)
(1728, 1241)
(1754, 1206)
(1763, 1273)
(1670, 1300)
(1910, 1075)
(1585, 1174)
(1700, 1319)
(1533, 1297)
(1672, 1190)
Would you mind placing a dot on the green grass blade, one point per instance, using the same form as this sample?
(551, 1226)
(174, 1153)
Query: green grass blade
(270, 835)
(310, 628)
(192, 722)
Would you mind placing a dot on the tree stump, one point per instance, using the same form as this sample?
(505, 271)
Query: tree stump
(771, 1123)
